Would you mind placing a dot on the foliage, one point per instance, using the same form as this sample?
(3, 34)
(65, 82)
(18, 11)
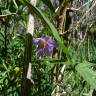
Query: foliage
(76, 47)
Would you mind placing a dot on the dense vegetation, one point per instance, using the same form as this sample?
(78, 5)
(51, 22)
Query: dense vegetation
(48, 47)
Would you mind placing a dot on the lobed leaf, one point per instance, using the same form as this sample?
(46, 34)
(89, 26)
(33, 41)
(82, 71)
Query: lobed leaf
(85, 70)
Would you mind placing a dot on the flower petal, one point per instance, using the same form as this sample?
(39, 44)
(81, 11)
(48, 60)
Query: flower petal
(45, 45)
(51, 43)
(39, 52)
(48, 50)
(36, 40)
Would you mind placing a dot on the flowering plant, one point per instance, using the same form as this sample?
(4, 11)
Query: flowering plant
(45, 45)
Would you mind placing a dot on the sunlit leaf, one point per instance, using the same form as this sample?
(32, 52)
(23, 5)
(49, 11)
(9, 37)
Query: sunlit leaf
(16, 6)
(85, 70)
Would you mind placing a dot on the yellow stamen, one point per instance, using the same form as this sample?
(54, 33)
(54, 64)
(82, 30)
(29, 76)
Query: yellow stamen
(43, 43)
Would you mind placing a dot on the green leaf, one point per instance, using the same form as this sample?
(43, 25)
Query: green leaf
(6, 12)
(49, 25)
(16, 6)
(85, 70)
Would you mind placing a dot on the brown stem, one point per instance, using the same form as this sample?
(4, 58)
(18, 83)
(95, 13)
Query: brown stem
(60, 22)
(26, 83)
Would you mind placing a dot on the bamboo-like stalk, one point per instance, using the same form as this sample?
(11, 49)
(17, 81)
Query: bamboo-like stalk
(26, 77)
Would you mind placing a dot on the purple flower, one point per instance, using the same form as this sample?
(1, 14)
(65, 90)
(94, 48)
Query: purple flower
(45, 45)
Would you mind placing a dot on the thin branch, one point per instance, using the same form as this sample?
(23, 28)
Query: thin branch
(85, 14)
(4, 16)
(78, 22)
(84, 4)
